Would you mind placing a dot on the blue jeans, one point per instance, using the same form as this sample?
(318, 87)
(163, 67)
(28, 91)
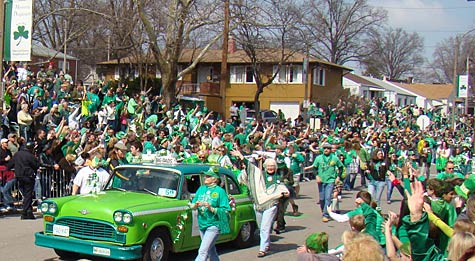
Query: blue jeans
(207, 246)
(37, 187)
(265, 219)
(325, 191)
(7, 192)
(375, 188)
(390, 189)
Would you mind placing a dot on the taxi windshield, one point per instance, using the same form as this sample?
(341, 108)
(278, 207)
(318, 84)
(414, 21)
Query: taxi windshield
(153, 181)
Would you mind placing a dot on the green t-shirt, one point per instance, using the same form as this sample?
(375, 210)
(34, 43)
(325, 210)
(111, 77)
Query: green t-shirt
(327, 167)
(218, 199)
(131, 106)
(444, 175)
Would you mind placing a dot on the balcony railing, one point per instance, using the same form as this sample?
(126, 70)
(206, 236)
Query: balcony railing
(196, 89)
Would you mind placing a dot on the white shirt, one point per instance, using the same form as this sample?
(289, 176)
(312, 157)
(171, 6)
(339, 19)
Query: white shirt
(90, 180)
(22, 73)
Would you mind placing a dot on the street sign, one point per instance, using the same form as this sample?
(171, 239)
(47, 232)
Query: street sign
(423, 122)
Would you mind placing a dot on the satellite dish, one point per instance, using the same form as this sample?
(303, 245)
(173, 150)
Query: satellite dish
(423, 122)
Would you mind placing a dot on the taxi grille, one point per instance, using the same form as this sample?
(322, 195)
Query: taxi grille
(91, 229)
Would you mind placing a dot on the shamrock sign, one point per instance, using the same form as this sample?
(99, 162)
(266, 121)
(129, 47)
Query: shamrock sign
(21, 33)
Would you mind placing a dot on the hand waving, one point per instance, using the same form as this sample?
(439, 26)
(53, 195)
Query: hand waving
(415, 202)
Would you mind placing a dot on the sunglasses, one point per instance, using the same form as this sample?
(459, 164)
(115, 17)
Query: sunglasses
(450, 168)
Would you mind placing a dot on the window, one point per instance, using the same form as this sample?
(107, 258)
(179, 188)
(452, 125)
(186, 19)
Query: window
(319, 76)
(232, 187)
(116, 72)
(61, 63)
(288, 74)
(241, 74)
(191, 184)
(249, 74)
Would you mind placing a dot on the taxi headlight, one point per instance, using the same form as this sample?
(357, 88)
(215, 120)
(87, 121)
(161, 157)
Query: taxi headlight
(123, 217)
(118, 217)
(52, 208)
(127, 218)
(48, 207)
(44, 207)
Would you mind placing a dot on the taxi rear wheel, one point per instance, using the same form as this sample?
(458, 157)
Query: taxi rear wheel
(245, 237)
(158, 246)
(66, 254)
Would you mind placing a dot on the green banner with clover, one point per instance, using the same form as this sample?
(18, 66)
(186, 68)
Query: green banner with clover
(18, 26)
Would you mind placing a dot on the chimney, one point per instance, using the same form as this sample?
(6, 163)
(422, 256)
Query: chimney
(410, 80)
(231, 45)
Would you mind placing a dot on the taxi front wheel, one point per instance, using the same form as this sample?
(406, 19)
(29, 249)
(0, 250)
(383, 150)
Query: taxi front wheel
(157, 247)
(245, 237)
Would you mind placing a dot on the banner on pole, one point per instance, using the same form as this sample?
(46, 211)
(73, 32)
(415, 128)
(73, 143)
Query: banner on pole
(463, 86)
(18, 25)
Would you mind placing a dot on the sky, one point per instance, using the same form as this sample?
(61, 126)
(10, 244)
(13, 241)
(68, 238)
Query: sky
(434, 20)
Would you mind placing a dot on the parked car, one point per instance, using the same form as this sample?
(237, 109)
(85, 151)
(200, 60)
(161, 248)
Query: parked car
(142, 214)
(266, 115)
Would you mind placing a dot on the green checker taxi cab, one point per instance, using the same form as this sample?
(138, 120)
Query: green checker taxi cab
(142, 214)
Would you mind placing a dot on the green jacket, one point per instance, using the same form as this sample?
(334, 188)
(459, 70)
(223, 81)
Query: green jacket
(422, 247)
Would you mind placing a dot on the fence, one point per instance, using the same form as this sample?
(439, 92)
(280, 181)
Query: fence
(49, 183)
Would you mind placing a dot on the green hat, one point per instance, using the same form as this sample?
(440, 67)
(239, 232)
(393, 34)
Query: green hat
(317, 242)
(410, 153)
(467, 187)
(212, 172)
(120, 135)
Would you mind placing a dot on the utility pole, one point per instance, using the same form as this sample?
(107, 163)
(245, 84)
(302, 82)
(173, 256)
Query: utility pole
(456, 58)
(2, 38)
(224, 58)
(65, 45)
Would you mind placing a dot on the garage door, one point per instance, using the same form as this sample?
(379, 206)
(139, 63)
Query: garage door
(290, 109)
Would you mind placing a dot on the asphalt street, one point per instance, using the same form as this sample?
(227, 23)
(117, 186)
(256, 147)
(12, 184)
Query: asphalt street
(17, 236)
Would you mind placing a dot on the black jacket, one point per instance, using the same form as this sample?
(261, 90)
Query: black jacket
(24, 163)
(3, 155)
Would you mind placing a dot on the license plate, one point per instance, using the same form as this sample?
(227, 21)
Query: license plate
(101, 251)
(60, 230)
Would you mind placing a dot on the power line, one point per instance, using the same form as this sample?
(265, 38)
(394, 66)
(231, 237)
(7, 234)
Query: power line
(426, 8)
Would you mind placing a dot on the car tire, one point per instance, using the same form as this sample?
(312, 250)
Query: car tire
(157, 247)
(66, 254)
(246, 235)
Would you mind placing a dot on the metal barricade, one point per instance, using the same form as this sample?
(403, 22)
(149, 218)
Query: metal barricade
(49, 183)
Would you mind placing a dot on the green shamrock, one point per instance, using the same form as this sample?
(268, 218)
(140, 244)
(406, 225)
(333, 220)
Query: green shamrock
(21, 33)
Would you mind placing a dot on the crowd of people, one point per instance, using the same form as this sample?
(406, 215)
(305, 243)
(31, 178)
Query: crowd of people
(88, 131)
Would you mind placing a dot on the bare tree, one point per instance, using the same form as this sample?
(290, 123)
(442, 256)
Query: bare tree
(445, 57)
(394, 53)
(92, 30)
(338, 26)
(265, 30)
(169, 26)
